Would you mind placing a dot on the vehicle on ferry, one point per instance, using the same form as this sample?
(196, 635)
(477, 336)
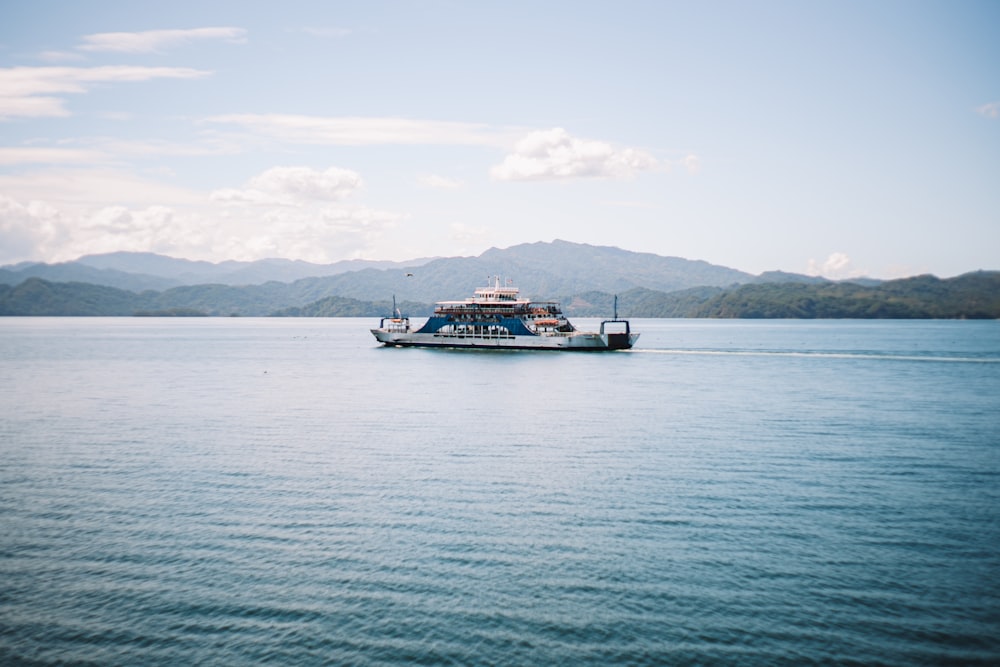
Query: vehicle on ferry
(497, 317)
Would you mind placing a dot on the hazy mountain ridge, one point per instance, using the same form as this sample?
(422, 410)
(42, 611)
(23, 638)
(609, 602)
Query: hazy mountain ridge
(583, 277)
(81, 273)
(138, 271)
(541, 270)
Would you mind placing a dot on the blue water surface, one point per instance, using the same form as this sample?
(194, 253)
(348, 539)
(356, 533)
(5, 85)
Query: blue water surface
(283, 491)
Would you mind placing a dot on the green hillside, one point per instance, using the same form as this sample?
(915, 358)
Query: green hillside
(970, 296)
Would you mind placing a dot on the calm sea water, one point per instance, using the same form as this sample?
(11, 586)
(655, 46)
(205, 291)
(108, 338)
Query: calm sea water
(241, 491)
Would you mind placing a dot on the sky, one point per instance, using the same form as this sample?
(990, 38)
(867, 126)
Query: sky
(833, 138)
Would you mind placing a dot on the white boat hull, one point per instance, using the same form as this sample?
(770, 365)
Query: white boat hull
(576, 340)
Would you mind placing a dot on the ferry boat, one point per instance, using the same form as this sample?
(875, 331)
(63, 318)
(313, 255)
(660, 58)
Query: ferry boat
(497, 317)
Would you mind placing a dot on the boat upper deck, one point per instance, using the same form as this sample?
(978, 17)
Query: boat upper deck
(497, 300)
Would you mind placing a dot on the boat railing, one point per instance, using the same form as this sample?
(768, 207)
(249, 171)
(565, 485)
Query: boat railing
(396, 324)
(615, 321)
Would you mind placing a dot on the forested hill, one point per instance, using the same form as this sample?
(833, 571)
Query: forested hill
(970, 296)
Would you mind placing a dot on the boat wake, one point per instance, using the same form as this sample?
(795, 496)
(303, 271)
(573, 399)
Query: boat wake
(821, 355)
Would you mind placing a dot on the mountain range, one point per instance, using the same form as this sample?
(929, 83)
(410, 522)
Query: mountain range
(138, 271)
(583, 277)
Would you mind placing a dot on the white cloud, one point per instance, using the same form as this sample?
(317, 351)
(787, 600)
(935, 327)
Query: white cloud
(41, 155)
(333, 183)
(555, 154)
(161, 229)
(297, 212)
(692, 163)
(39, 229)
(357, 131)
(32, 91)
(837, 266)
(439, 182)
(31, 107)
(293, 186)
(151, 41)
(103, 150)
(246, 196)
(142, 227)
(316, 233)
(991, 110)
(24, 229)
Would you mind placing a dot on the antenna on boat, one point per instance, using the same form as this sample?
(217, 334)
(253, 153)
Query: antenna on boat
(616, 306)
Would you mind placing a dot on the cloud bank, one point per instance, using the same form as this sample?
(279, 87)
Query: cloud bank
(29, 229)
(291, 212)
(299, 213)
